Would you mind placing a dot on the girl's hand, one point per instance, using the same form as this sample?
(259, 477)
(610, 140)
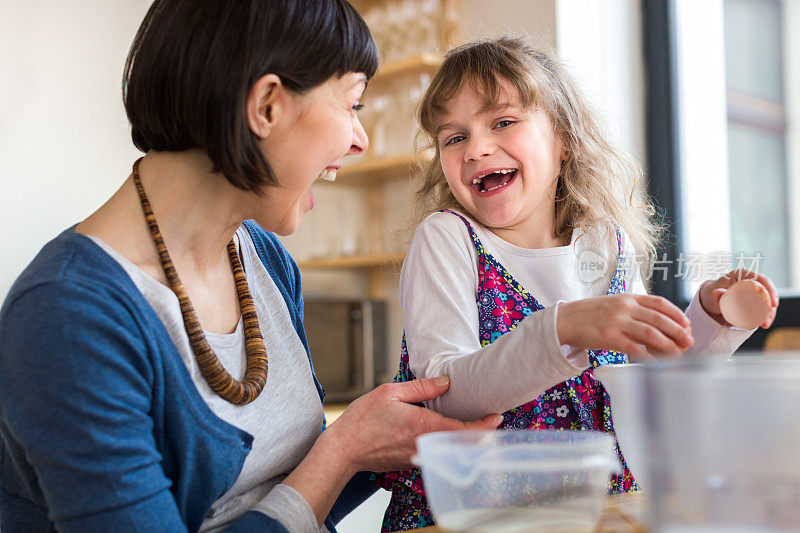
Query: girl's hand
(378, 431)
(712, 291)
(641, 326)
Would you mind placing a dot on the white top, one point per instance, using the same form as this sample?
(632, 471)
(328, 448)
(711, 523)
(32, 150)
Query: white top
(438, 284)
(286, 418)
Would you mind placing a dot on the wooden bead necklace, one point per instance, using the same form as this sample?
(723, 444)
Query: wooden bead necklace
(220, 381)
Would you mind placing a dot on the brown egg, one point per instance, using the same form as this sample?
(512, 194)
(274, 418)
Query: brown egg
(746, 304)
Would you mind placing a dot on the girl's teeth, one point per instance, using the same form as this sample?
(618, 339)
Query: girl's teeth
(476, 181)
(329, 174)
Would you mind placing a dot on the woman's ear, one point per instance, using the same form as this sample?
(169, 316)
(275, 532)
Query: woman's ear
(264, 104)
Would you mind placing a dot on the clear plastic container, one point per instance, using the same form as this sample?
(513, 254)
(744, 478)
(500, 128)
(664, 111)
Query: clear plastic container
(716, 444)
(508, 481)
(625, 385)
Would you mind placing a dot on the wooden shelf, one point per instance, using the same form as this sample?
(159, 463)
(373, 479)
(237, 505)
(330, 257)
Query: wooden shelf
(425, 61)
(377, 169)
(397, 166)
(354, 261)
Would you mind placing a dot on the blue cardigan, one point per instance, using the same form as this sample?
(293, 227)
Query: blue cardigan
(101, 427)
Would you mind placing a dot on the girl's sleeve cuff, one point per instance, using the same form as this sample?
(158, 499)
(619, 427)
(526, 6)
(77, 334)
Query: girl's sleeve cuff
(712, 340)
(577, 358)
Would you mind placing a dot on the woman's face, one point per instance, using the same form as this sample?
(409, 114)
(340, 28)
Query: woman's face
(312, 134)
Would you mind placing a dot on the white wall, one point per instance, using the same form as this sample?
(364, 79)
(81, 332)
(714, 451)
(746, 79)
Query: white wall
(601, 44)
(64, 139)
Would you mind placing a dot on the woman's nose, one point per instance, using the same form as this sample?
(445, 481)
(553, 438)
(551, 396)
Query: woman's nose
(477, 146)
(360, 139)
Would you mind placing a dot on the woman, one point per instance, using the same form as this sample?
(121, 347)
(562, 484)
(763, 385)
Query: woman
(123, 342)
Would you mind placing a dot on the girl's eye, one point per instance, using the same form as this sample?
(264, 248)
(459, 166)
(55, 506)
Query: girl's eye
(454, 139)
(504, 123)
(358, 107)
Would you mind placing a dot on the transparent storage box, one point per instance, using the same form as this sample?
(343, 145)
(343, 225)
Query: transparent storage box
(504, 481)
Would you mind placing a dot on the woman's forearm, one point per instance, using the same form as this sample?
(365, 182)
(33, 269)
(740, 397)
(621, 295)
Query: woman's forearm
(322, 475)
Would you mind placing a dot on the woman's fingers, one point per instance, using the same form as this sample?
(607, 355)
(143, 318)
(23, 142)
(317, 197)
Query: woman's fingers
(451, 424)
(420, 390)
(489, 422)
(378, 431)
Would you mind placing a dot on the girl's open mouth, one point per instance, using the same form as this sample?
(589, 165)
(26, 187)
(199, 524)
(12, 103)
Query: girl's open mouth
(494, 181)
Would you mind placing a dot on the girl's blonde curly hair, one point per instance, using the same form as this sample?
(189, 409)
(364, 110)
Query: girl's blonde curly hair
(597, 184)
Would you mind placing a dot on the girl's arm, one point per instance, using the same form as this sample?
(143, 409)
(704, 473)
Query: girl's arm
(437, 292)
(438, 284)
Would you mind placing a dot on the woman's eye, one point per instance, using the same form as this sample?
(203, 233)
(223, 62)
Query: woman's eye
(453, 140)
(504, 123)
(358, 107)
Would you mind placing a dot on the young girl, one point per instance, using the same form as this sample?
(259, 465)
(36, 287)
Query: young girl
(501, 288)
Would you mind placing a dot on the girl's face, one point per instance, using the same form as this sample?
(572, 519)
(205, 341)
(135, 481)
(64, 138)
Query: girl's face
(502, 165)
(313, 134)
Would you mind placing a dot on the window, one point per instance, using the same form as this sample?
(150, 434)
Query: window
(724, 154)
(758, 173)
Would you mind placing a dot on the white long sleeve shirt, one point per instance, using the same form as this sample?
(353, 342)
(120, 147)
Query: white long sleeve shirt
(438, 284)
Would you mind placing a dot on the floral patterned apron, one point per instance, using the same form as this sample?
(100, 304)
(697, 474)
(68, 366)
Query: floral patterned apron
(579, 403)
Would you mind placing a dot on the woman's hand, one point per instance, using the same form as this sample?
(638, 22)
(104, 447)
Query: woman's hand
(712, 291)
(378, 431)
(641, 326)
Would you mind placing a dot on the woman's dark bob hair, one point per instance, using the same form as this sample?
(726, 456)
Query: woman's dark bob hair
(193, 62)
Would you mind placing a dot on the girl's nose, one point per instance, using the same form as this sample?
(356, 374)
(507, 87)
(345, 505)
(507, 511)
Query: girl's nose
(360, 139)
(477, 146)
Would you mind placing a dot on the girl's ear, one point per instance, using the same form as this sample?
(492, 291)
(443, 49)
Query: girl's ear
(264, 104)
